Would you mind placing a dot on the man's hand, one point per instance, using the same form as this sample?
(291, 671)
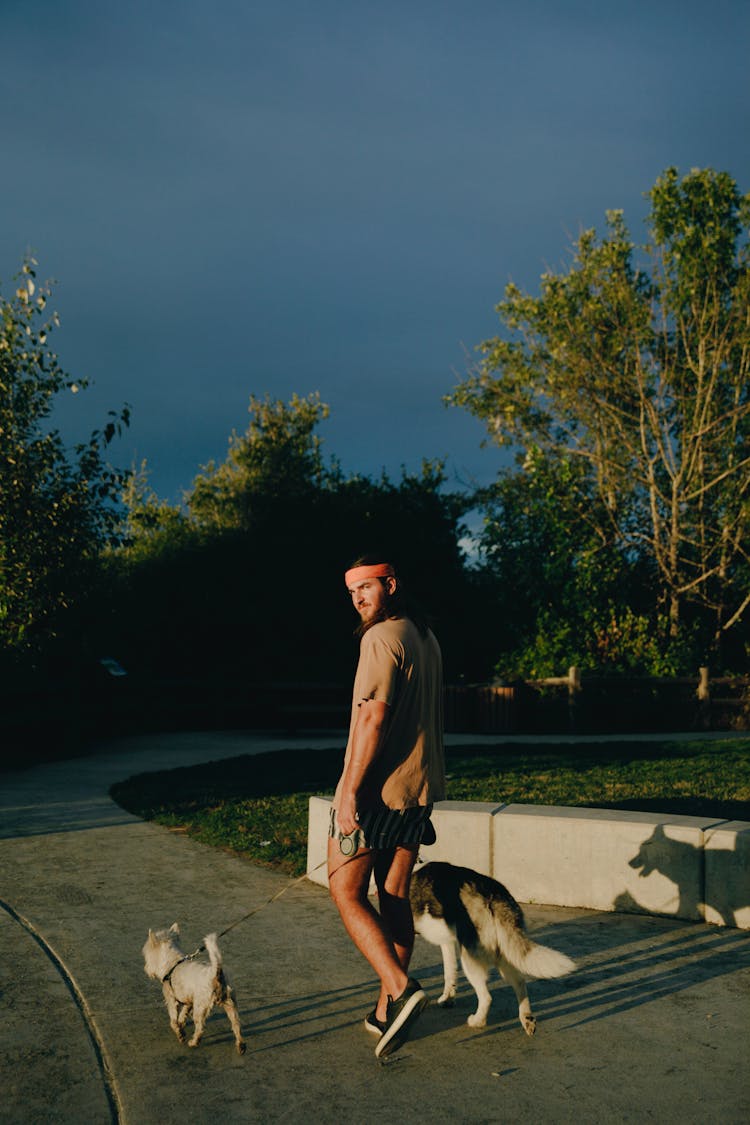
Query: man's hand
(346, 814)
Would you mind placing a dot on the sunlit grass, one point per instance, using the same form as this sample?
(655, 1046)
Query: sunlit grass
(257, 805)
(695, 773)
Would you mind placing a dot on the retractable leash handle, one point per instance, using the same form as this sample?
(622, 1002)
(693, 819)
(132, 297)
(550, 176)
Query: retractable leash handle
(349, 845)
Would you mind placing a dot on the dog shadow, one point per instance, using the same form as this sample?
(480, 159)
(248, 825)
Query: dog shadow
(625, 962)
(325, 1012)
(675, 861)
(299, 1010)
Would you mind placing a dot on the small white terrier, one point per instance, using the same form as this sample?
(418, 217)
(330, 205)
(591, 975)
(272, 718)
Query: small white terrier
(190, 986)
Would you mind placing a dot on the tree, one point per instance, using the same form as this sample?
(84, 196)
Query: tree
(562, 597)
(56, 508)
(149, 524)
(248, 580)
(641, 378)
(277, 459)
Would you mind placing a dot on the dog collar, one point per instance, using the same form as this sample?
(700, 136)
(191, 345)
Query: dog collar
(166, 979)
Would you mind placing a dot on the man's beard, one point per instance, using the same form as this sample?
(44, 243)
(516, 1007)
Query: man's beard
(381, 614)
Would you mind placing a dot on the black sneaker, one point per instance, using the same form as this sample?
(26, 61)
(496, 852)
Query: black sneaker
(372, 1023)
(400, 1015)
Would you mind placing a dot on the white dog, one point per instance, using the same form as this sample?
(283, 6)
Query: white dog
(454, 905)
(190, 986)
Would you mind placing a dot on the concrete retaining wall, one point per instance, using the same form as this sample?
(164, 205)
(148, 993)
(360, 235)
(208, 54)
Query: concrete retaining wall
(644, 863)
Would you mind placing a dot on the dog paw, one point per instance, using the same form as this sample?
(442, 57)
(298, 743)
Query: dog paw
(447, 1000)
(477, 1021)
(528, 1023)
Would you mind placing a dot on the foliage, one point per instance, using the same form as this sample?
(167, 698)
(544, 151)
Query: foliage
(257, 805)
(149, 523)
(278, 459)
(637, 385)
(56, 508)
(624, 642)
(251, 570)
(566, 597)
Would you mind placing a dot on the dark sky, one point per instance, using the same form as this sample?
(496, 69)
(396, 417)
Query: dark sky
(265, 197)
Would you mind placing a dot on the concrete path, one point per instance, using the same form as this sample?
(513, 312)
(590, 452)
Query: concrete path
(653, 1027)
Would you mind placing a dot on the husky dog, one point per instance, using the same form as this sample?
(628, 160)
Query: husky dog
(454, 904)
(190, 986)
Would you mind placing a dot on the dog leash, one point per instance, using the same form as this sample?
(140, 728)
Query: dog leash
(273, 898)
(263, 905)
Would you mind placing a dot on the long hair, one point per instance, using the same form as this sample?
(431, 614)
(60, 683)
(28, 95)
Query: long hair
(399, 604)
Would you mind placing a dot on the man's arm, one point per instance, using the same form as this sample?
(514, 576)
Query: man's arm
(369, 731)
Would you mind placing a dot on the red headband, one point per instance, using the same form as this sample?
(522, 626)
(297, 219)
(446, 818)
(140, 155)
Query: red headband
(359, 573)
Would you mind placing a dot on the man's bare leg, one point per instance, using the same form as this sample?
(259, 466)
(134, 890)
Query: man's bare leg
(393, 869)
(349, 883)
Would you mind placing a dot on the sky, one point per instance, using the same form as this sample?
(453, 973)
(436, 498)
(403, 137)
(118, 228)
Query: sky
(241, 197)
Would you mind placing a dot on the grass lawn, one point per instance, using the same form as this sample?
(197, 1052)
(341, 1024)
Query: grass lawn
(257, 805)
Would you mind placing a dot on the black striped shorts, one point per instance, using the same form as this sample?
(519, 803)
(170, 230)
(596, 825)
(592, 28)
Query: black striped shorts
(382, 828)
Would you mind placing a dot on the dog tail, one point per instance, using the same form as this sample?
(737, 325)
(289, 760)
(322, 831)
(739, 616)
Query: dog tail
(541, 962)
(499, 925)
(212, 949)
(530, 958)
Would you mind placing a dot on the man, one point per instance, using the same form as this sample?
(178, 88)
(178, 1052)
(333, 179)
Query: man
(394, 769)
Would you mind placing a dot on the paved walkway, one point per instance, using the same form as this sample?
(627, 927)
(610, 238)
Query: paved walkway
(653, 1027)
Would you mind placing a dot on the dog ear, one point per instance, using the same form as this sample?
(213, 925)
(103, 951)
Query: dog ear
(151, 938)
(174, 928)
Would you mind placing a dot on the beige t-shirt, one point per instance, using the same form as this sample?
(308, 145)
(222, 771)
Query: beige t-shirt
(400, 667)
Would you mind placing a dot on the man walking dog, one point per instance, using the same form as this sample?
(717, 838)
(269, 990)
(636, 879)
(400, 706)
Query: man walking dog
(394, 768)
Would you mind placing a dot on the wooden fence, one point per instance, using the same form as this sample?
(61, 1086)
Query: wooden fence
(50, 720)
(583, 703)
